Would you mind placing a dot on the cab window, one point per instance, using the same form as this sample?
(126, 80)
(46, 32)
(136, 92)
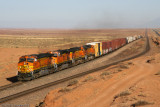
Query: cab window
(22, 59)
(30, 59)
(54, 54)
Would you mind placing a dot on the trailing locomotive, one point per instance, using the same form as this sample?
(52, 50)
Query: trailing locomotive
(37, 65)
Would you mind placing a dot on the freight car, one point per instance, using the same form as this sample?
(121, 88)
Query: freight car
(37, 65)
(97, 48)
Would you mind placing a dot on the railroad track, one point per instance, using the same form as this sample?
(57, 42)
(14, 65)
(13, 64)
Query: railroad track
(16, 83)
(14, 96)
(10, 85)
(156, 32)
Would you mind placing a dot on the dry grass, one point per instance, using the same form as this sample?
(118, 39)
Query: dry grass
(141, 103)
(88, 78)
(105, 73)
(46, 42)
(134, 98)
(1, 67)
(73, 82)
(130, 63)
(124, 93)
(158, 73)
(65, 90)
(124, 66)
(59, 38)
(142, 95)
(119, 70)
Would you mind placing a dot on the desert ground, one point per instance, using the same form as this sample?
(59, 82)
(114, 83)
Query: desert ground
(130, 83)
(17, 42)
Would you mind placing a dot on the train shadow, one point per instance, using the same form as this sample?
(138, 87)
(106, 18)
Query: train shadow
(12, 79)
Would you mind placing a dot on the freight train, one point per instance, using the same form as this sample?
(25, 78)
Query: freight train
(36, 65)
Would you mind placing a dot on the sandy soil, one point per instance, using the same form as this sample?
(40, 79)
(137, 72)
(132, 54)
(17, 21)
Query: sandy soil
(18, 38)
(17, 42)
(146, 90)
(65, 32)
(132, 83)
(97, 89)
(102, 90)
(38, 96)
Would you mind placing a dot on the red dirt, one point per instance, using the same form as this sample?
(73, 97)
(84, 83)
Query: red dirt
(101, 91)
(136, 76)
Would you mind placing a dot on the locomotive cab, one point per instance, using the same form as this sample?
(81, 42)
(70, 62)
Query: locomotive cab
(25, 66)
(59, 56)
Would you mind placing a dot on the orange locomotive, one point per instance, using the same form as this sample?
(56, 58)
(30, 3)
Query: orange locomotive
(33, 66)
(36, 65)
(90, 51)
(62, 59)
(59, 59)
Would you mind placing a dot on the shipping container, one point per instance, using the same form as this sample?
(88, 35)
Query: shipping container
(123, 41)
(129, 39)
(133, 38)
(108, 46)
(112, 45)
(97, 47)
(104, 47)
(139, 36)
(117, 43)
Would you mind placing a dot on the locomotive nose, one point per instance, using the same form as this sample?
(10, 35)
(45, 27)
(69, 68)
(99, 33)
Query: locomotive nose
(28, 67)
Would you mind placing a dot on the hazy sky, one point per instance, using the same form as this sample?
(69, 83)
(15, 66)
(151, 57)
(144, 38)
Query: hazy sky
(79, 13)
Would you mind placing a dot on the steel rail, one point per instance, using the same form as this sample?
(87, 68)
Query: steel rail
(10, 85)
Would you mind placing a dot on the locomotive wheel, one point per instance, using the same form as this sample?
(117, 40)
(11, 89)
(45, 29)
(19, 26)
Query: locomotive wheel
(36, 76)
(33, 77)
(19, 79)
(59, 68)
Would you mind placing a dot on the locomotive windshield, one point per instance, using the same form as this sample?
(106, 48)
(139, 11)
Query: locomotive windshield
(30, 59)
(54, 54)
(22, 59)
